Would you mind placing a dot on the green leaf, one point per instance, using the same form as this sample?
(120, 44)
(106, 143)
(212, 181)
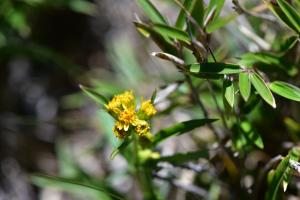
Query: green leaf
(151, 11)
(251, 134)
(180, 158)
(180, 128)
(215, 5)
(195, 8)
(269, 62)
(291, 14)
(220, 22)
(288, 44)
(229, 94)
(244, 85)
(281, 15)
(72, 186)
(157, 38)
(276, 179)
(188, 5)
(294, 154)
(153, 96)
(197, 11)
(94, 95)
(120, 148)
(238, 138)
(262, 89)
(174, 33)
(214, 68)
(286, 90)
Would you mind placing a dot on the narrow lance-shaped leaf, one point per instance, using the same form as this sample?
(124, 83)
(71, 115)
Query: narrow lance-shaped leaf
(153, 96)
(214, 68)
(180, 128)
(228, 88)
(277, 179)
(286, 90)
(181, 17)
(251, 134)
(180, 158)
(197, 11)
(262, 89)
(174, 33)
(120, 148)
(157, 38)
(220, 22)
(244, 85)
(94, 95)
(294, 156)
(71, 185)
(291, 14)
(280, 14)
(288, 44)
(268, 61)
(214, 6)
(151, 11)
(238, 138)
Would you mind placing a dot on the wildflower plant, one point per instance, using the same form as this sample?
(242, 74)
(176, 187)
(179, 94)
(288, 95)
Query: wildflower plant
(130, 119)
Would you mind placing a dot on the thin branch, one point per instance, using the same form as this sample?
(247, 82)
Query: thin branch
(189, 188)
(241, 10)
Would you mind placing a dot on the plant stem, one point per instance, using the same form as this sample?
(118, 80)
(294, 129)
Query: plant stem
(143, 174)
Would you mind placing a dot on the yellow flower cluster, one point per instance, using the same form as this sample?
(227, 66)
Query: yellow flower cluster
(123, 108)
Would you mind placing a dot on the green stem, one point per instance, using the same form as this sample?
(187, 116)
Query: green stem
(143, 173)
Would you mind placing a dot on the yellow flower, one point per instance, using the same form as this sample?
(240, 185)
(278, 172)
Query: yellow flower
(147, 109)
(119, 131)
(122, 108)
(127, 117)
(141, 127)
(121, 102)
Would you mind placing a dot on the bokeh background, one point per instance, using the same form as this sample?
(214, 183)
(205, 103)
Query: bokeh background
(49, 47)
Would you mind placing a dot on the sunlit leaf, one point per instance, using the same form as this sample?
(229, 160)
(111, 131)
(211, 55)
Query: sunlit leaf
(94, 95)
(251, 134)
(214, 6)
(286, 90)
(262, 89)
(276, 179)
(181, 17)
(220, 22)
(157, 38)
(153, 96)
(174, 33)
(269, 62)
(294, 154)
(197, 11)
(151, 11)
(229, 94)
(238, 138)
(289, 43)
(120, 148)
(244, 85)
(214, 68)
(291, 14)
(280, 14)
